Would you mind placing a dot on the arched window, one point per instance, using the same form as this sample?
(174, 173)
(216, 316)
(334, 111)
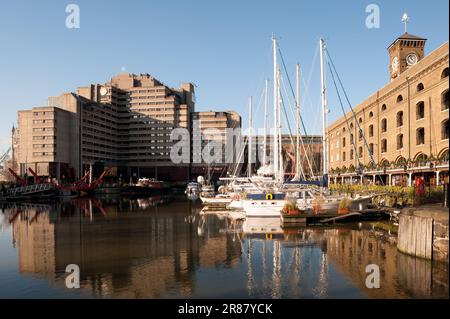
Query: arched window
(360, 120)
(360, 134)
(383, 145)
(399, 141)
(401, 160)
(420, 87)
(351, 154)
(351, 126)
(400, 119)
(383, 125)
(444, 73)
(445, 100)
(383, 107)
(371, 149)
(343, 130)
(343, 156)
(360, 152)
(420, 136)
(370, 130)
(420, 110)
(351, 139)
(343, 142)
(370, 114)
(399, 98)
(444, 130)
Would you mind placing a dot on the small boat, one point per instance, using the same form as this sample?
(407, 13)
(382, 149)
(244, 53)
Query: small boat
(145, 186)
(216, 200)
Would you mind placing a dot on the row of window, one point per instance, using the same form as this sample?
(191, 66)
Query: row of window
(420, 140)
(420, 112)
(37, 122)
(37, 154)
(41, 138)
(44, 145)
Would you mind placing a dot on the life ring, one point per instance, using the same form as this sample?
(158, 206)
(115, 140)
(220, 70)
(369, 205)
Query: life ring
(237, 197)
(269, 196)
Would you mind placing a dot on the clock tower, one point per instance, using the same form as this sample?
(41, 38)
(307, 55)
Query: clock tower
(404, 53)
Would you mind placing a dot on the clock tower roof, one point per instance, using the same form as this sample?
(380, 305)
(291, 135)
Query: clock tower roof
(407, 36)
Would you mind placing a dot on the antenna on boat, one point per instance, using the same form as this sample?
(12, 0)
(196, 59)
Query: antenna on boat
(275, 108)
(324, 109)
(297, 122)
(250, 124)
(266, 120)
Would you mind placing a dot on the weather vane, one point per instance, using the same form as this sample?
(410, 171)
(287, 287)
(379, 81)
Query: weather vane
(405, 20)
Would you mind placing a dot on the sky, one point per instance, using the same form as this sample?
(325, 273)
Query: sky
(223, 47)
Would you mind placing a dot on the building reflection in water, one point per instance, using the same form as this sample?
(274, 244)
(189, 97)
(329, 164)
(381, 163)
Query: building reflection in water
(152, 248)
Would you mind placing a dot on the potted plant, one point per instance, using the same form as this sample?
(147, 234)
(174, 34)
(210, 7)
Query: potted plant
(290, 207)
(344, 206)
(317, 204)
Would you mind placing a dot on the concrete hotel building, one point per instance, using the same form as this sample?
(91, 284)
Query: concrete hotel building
(123, 125)
(212, 127)
(402, 130)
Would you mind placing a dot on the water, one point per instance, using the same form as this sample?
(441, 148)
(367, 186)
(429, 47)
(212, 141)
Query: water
(164, 248)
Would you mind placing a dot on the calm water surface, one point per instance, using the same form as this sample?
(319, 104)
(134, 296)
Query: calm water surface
(163, 248)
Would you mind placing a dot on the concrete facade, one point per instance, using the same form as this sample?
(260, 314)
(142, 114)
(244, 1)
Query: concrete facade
(123, 125)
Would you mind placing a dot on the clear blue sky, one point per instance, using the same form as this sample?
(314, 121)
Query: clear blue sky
(223, 47)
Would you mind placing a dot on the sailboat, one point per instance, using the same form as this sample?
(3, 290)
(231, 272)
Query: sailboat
(308, 195)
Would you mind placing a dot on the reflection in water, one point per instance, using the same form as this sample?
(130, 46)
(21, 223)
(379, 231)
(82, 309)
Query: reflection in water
(155, 248)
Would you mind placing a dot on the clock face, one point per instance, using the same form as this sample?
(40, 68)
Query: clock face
(412, 59)
(103, 91)
(395, 64)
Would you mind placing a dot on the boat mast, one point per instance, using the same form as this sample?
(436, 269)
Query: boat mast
(250, 125)
(266, 121)
(275, 108)
(280, 144)
(297, 122)
(324, 109)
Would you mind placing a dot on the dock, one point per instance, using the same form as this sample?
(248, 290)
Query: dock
(310, 218)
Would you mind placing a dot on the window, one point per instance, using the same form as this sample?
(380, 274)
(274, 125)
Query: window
(400, 119)
(351, 154)
(343, 142)
(420, 110)
(370, 114)
(360, 120)
(371, 149)
(383, 145)
(351, 139)
(399, 98)
(343, 156)
(370, 130)
(383, 107)
(399, 141)
(444, 130)
(361, 134)
(445, 100)
(360, 152)
(420, 87)
(420, 136)
(343, 130)
(444, 73)
(383, 125)
(351, 126)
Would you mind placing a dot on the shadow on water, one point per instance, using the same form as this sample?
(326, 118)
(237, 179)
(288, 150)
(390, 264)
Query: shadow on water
(162, 247)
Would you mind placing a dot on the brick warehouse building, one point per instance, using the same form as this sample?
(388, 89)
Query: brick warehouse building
(405, 124)
(123, 125)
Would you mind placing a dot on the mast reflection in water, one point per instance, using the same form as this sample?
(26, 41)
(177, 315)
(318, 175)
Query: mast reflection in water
(164, 248)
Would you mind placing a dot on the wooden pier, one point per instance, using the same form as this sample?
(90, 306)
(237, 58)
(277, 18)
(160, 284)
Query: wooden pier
(331, 217)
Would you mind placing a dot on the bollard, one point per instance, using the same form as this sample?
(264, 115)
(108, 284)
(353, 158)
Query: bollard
(446, 194)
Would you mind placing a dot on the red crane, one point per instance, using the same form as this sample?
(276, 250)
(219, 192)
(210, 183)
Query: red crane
(19, 179)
